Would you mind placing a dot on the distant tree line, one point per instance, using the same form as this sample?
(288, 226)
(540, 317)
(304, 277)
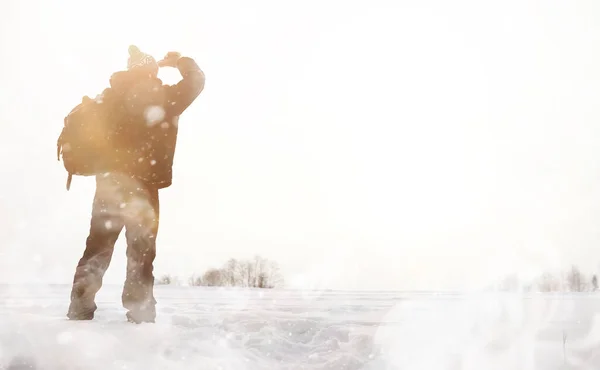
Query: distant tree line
(167, 280)
(257, 272)
(572, 280)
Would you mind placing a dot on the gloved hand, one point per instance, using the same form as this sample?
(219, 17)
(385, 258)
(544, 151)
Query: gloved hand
(170, 60)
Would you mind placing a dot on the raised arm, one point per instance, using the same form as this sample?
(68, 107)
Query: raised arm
(182, 94)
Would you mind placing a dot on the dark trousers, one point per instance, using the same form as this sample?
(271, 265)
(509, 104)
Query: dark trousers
(120, 201)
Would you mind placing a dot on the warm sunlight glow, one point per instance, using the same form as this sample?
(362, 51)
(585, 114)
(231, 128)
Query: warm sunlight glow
(429, 142)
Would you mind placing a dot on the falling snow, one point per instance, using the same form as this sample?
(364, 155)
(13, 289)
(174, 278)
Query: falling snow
(154, 114)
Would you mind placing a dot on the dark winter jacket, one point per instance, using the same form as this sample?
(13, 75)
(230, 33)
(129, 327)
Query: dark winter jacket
(147, 115)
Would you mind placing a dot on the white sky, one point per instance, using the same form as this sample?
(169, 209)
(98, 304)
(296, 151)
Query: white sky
(362, 145)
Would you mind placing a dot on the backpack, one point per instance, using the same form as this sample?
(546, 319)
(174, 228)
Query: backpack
(85, 139)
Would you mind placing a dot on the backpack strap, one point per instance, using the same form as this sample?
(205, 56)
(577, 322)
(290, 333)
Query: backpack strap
(59, 148)
(69, 179)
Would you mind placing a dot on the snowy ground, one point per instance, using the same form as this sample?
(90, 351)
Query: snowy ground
(203, 328)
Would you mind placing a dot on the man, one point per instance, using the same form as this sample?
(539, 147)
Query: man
(146, 114)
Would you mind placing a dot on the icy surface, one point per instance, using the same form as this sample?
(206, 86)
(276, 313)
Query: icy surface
(211, 328)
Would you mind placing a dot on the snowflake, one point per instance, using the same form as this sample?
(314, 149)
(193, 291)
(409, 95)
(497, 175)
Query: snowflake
(154, 114)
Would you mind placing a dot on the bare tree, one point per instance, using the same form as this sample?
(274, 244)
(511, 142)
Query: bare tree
(575, 280)
(548, 283)
(212, 277)
(166, 280)
(195, 280)
(262, 280)
(262, 273)
(273, 276)
(253, 269)
(232, 273)
(244, 271)
(594, 283)
(254, 273)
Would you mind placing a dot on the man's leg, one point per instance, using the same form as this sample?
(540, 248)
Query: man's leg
(105, 226)
(141, 225)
